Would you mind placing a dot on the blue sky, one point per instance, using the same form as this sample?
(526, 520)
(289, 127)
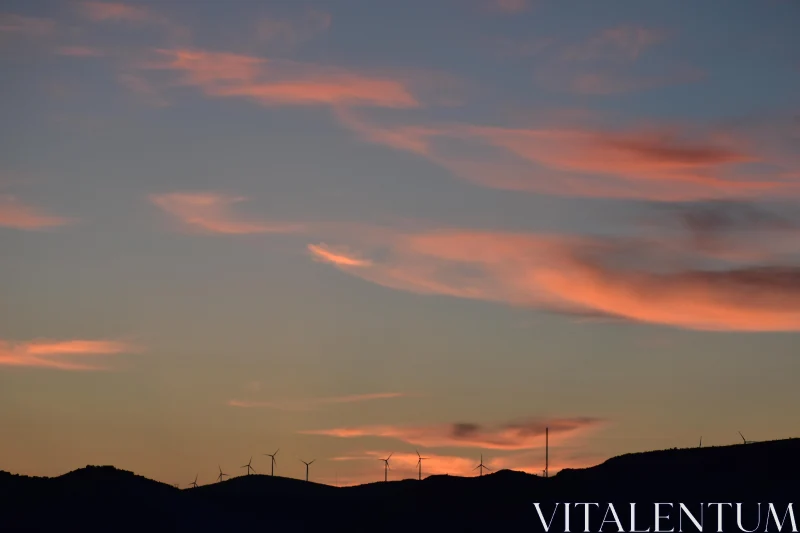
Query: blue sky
(351, 228)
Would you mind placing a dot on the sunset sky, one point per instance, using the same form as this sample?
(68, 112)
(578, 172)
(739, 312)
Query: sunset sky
(348, 228)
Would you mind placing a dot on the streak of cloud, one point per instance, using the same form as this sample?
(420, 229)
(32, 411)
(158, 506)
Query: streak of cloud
(521, 435)
(323, 253)
(211, 212)
(117, 12)
(279, 82)
(18, 215)
(655, 163)
(631, 279)
(62, 354)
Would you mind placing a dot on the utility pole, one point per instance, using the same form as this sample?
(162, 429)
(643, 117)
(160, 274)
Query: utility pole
(546, 452)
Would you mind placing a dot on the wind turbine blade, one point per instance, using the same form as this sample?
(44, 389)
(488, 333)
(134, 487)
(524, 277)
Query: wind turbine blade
(477, 467)
(276, 451)
(390, 456)
(417, 452)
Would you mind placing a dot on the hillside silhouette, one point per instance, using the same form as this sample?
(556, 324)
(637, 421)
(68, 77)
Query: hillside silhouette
(108, 499)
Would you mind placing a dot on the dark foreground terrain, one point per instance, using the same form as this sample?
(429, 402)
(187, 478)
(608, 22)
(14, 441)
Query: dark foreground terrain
(107, 499)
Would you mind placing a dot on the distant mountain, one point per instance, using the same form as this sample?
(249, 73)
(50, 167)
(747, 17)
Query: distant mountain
(107, 499)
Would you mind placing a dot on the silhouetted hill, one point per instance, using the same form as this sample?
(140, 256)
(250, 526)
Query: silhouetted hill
(108, 499)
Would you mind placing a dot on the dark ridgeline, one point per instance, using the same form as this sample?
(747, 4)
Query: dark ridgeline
(107, 499)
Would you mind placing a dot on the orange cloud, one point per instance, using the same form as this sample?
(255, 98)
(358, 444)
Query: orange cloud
(661, 163)
(322, 252)
(26, 26)
(15, 214)
(277, 82)
(60, 355)
(116, 12)
(210, 212)
(307, 404)
(79, 51)
(514, 436)
(644, 280)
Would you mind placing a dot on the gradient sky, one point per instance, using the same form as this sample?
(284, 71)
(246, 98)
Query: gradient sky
(350, 228)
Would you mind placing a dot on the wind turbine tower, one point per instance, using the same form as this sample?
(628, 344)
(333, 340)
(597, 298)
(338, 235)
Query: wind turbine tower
(221, 474)
(307, 465)
(419, 464)
(386, 467)
(248, 467)
(274, 462)
(482, 466)
(745, 441)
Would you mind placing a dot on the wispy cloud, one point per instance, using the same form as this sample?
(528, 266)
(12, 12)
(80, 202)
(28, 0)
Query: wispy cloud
(608, 63)
(296, 30)
(653, 280)
(520, 435)
(133, 15)
(323, 253)
(212, 213)
(657, 162)
(312, 403)
(278, 82)
(19, 215)
(26, 26)
(117, 12)
(61, 355)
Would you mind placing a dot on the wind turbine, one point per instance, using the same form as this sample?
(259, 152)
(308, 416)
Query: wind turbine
(701, 442)
(221, 474)
(248, 467)
(193, 484)
(307, 465)
(419, 463)
(386, 467)
(745, 441)
(482, 466)
(274, 462)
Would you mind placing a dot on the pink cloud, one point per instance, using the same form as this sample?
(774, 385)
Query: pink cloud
(311, 403)
(663, 163)
(521, 435)
(18, 215)
(277, 82)
(116, 12)
(211, 212)
(323, 253)
(60, 355)
(642, 280)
